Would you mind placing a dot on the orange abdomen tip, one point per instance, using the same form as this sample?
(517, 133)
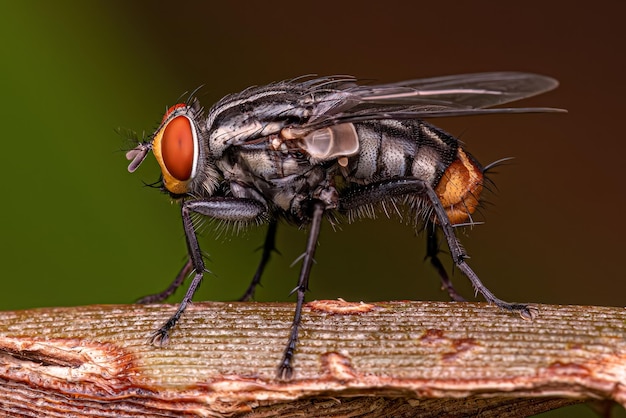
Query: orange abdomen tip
(460, 187)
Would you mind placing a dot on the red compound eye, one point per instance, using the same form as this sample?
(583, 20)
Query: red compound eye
(177, 148)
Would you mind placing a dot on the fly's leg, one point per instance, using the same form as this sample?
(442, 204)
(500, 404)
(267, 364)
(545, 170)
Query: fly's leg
(432, 251)
(178, 281)
(268, 247)
(285, 369)
(458, 255)
(226, 209)
(382, 190)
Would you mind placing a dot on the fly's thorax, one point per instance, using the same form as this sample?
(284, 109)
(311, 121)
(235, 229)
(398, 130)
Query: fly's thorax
(460, 187)
(281, 178)
(245, 117)
(180, 149)
(248, 162)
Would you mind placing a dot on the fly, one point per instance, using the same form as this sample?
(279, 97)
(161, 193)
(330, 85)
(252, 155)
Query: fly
(306, 150)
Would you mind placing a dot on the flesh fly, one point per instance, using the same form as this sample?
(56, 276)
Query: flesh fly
(306, 150)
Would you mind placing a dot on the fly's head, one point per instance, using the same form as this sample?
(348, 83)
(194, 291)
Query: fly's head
(180, 149)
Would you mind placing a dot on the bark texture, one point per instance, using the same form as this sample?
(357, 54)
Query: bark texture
(382, 359)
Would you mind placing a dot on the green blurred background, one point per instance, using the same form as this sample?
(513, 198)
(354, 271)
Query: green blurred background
(77, 228)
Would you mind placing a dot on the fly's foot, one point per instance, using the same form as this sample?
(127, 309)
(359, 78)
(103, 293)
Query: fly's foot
(529, 313)
(161, 337)
(150, 299)
(452, 293)
(525, 311)
(249, 295)
(285, 370)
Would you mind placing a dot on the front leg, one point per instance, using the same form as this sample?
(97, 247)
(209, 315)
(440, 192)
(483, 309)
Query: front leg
(222, 208)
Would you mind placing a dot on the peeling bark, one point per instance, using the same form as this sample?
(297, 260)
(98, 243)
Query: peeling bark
(381, 359)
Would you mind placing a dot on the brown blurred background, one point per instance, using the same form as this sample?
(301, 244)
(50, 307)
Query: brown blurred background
(78, 229)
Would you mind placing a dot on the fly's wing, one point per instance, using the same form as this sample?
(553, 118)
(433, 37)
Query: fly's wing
(478, 90)
(458, 95)
(330, 133)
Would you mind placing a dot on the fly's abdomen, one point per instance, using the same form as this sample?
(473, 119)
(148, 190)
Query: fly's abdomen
(413, 148)
(402, 148)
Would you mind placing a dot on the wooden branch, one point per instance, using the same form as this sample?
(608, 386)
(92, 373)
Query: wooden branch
(381, 359)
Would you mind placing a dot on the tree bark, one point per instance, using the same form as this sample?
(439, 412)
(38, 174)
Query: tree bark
(382, 359)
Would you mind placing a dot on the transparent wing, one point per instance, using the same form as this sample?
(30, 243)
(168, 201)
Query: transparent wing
(457, 95)
(420, 113)
(476, 91)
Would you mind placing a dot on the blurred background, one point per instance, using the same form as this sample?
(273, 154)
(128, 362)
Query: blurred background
(78, 229)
